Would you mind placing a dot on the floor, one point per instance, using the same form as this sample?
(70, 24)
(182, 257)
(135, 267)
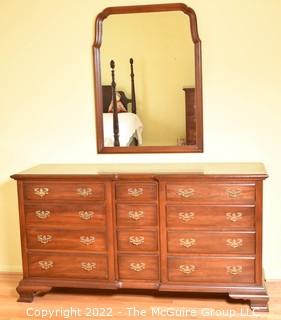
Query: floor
(91, 304)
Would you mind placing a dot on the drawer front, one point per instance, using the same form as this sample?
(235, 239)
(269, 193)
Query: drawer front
(137, 241)
(82, 240)
(138, 267)
(64, 191)
(211, 242)
(214, 217)
(66, 215)
(211, 193)
(219, 270)
(136, 191)
(136, 215)
(66, 266)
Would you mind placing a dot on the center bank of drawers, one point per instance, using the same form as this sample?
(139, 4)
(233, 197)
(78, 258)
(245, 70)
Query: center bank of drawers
(62, 217)
(210, 231)
(137, 230)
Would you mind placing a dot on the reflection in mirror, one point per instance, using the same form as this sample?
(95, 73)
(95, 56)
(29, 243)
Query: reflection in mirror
(161, 46)
(147, 66)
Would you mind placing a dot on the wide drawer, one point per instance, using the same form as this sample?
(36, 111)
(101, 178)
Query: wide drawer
(211, 242)
(219, 270)
(82, 240)
(138, 267)
(137, 241)
(48, 214)
(215, 217)
(136, 191)
(211, 192)
(46, 190)
(66, 266)
(136, 215)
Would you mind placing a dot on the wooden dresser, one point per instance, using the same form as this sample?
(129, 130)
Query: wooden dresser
(180, 227)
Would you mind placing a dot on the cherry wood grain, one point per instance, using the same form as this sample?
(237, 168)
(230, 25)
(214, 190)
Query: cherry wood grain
(210, 270)
(210, 216)
(69, 215)
(211, 242)
(63, 190)
(211, 193)
(136, 191)
(136, 215)
(149, 271)
(63, 239)
(137, 241)
(65, 266)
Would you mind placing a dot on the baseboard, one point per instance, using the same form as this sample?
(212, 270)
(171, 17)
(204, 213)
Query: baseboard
(10, 269)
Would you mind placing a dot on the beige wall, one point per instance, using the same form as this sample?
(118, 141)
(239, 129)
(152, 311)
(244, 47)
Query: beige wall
(163, 52)
(47, 110)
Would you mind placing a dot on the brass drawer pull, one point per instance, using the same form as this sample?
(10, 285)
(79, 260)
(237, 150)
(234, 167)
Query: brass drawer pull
(135, 192)
(46, 264)
(86, 215)
(187, 269)
(84, 192)
(234, 270)
(136, 240)
(44, 238)
(136, 215)
(137, 266)
(234, 216)
(87, 240)
(187, 243)
(41, 192)
(186, 216)
(234, 243)
(41, 214)
(88, 266)
(186, 193)
(233, 193)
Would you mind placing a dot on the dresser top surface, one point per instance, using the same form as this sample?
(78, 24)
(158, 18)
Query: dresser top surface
(196, 169)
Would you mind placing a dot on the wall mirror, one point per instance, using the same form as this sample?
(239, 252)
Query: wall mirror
(148, 80)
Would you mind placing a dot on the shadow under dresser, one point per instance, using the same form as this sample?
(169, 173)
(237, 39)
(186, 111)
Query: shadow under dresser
(167, 227)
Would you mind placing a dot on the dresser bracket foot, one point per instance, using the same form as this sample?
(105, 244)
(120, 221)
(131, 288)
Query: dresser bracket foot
(258, 301)
(27, 291)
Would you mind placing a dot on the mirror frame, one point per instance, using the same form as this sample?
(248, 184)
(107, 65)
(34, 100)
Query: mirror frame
(198, 146)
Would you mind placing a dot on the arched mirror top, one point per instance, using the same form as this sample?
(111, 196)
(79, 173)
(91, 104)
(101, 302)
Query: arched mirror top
(148, 103)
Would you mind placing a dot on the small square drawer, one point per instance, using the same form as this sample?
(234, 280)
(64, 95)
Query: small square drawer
(136, 191)
(81, 240)
(136, 215)
(68, 266)
(137, 241)
(211, 242)
(215, 270)
(48, 190)
(49, 214)
(214, 217)
(138, 267)
(211, 193)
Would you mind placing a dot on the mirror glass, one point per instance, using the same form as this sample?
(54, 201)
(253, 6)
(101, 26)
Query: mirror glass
(162, 49)
(148, 79)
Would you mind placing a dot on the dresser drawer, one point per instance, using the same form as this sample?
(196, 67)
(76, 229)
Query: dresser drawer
(136, 191)
(211, 242)
(138, 267)
(137, 241)
(136, 215)
(48, 214)
(216, 270)
(66, 266)
(215, 217)
(46, 190)
(82, 240)
(211, 193)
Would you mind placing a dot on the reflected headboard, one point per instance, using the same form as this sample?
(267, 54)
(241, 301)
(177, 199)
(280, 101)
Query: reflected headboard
(107, 97)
